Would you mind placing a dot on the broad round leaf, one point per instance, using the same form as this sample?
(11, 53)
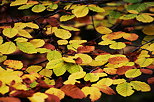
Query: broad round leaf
(132, 73)
(10, 32)
(7, 48)
(63, 34)
(38, 8)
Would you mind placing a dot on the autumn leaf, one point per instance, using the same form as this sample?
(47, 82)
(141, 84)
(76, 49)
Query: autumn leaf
(7, 48)
(72, 91)
(103, 30)
(38, 97)
(38, 8)
(132, 73)
(10, 32)
(85, 49)
(18, 2)
(118, 60)
(15, 64)
(9, 99)
(144, 18)
(94, 92)
(124, 89)
(63, 34)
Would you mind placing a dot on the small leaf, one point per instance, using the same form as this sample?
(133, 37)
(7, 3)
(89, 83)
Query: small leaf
(104, 81)
(18, 2)
(85, 58)
(72, 91)
(38, 8)
(95, 8)
(144, 62)
(52, 7)
(85, 49)
(37, 42)
(10, 32)
(117, 45)
(4, 89)
(62, 42)
(53, 55)
(80, 11)
(124, 89)
(132, 73)
(145, 18)
(7, 48)
(118, 60)
(13, 64)
(26, 47)
(94, 92)
(70, 28)
(38, 97)
(56, 92)
(60, 69)
(24, 33)
(33, 68)
(72, 68)
(140, 86)
(32, 25)
(66, 17)
(63, 34)
(103, 30)
(46, 72)
(27, 6)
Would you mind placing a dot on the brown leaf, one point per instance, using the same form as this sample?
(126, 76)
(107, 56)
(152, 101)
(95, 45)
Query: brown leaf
(122, 70)
(151, 80)
(53, 21)
(22, 93)
(85, 49)
(59, 82)
(146, 71)
(42, 84)
(9, 99)
(52, 98)
(49, 46)
(107, 90)
(117, 60)
(78, 61)
(73, 91)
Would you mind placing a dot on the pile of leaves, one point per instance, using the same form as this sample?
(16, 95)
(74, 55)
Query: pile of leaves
(43, 57)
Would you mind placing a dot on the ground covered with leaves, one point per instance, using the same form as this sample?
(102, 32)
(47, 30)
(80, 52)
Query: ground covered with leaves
(57, 50)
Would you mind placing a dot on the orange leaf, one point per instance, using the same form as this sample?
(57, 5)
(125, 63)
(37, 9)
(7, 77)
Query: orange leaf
(146, 71)
(73, 91)
(9, 99)
(122, 70)
(107, 90)
(110, 71)
(118, 60)
(130, 37)
(85, 49)
(13, 64)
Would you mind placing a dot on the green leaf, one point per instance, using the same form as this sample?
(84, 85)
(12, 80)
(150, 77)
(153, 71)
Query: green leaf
(53, 55)
(60, 70)
(124, 89)
(72, 68)
(52, 7)
(38, 8)
(129, 16)
(92, 77)
(140, 86)
(95, 8)
(10, 32)
(18, 2)
(54, 63)
(132, 1)
(7, 48)
(132, 73)
(66, 17)
(26, 47)
(80, 11)
(114, 14)
(23, 7)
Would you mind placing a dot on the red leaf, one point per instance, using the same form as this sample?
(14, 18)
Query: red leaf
(73, 91)
(9, 99)
(107, 90)
(117, 60)
(85, 49)
(59, 82)
(150, 66)
(52, 98)
(151, 80)
(78, 61)
(49, 46)
(53, 21)
(146, 71)
(122, 70)
(22, 93)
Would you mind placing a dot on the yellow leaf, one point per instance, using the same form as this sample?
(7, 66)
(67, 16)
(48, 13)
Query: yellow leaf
(1, 40)
(72, 68)
(54, 63)
(54, 55)
(103, 58)
(95, 8)
(66, 17)
(31, 76)
(37, 42)
(144, 18)
(62, 42)
(96, 63)
(132, 73)
(148, 30)
(20, 39)
(33, 68)
(124, 89)
(92, 77)
(103, 30)
(110, 71)
(57, 92)
(10, 32)
(77, 75)
(94, 92)
(46, 72)
(24, 33)
(38, 8)
(144, 62)
(38, 97)
(69, 28)
(32, 25)
(27, 6)
(18, 2)
(20, 86)
(118, 81)
(80, 11)
(13, 64)
(117, 45)
(4, 89)
(104, 81)
(63, 34)
(106, 42)
(7, 48)
(85, 58)
(140, 86)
